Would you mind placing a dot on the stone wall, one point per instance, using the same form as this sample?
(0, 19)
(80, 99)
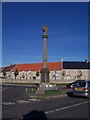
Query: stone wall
(69, 74)
(33, 81)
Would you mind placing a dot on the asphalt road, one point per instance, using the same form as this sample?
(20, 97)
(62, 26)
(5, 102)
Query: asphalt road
(17, 104)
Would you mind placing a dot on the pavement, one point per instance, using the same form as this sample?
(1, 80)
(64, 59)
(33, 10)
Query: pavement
(16, 104)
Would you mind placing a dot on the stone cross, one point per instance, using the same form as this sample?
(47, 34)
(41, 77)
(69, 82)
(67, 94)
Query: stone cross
(45, 71)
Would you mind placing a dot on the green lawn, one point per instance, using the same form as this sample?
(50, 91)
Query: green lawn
(48, 93)
(51, 93)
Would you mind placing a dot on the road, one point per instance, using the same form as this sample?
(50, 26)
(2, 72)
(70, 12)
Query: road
(17, 104)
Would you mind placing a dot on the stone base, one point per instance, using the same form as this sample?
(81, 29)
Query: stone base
(47, 86)
(44, 87)
(44, 75)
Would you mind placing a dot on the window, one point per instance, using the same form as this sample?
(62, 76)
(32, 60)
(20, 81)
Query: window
(68, 77)
(80, 84)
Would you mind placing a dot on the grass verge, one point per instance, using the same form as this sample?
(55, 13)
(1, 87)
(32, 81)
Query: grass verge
(47, 94)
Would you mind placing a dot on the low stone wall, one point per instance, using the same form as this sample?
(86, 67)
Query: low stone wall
(61, 81)
(33, 81)
(20, 81)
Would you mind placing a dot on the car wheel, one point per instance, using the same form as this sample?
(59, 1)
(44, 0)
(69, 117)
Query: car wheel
(70, 94)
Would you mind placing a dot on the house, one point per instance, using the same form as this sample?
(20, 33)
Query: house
(76, 70)
(29, 71)
(0, 72)
(65, 70)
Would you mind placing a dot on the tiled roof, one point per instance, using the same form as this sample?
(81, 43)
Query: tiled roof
(54, 66)
(51, 65)
(29, 67)
(8, 68)
(76, 65)
(34, 66)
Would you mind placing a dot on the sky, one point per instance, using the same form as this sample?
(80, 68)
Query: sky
(22, 24)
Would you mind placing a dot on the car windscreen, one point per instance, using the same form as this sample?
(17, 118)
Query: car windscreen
(80, 84)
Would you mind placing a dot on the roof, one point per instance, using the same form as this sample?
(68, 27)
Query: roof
(33, 67)
(0, 70)
(51, 65)
(8, 68)
(76, 65)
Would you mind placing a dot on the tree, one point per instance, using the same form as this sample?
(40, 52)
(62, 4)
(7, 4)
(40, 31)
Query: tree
(63, 73)
(80, 73)
(37, 73)
(16, 73)
(4, 73)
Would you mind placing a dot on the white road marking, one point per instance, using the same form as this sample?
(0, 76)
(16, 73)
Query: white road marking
(8, 103)
(20, 101)
(23, 101)
(3, 89)
(66, 107)
(34, 99)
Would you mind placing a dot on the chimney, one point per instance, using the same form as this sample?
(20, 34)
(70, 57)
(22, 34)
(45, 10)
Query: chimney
(62, 59)
(62, 63)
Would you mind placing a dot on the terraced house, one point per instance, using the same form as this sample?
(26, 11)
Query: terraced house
(64, 70)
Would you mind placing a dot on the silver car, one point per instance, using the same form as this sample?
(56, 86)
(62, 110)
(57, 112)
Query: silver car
(81, 88)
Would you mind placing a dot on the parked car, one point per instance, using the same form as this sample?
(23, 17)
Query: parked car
(70, 85)
(81, 88)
